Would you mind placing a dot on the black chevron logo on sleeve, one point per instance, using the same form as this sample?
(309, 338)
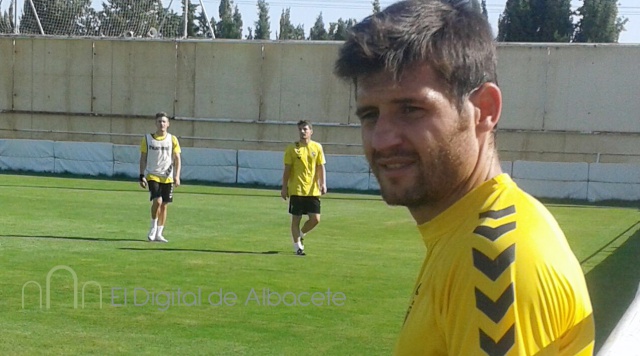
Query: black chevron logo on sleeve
(494, 268)
(501, 347)
(495, 310)
(497, 214)
(494, 233)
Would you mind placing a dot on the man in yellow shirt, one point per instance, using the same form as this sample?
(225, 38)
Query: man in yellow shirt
(160, 159)
(499, 277)
(303, 181)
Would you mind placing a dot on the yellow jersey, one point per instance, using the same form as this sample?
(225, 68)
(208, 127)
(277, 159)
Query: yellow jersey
(499, 278)
(304, 160)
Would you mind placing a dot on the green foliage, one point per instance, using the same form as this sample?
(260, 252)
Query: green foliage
(338, 30)
(318, 31)
(484, 9)
(230, 24)
(536, 21)
(287, 30)
(6, 20)
(202, 25)
(599, 22)
(263, 27)
(57, 17)
(119, 17)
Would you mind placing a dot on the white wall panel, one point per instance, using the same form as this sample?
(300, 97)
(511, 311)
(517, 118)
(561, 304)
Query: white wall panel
(261, 159)
(553, 188)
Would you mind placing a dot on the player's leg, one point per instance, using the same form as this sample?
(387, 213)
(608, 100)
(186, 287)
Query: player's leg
(167, 197)
(311, 208)
(156, 202)
(296, 217)
(314, 220)
(295, 232)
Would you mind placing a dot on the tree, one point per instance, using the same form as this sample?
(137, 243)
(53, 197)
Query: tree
(484, 9)
(338, 30)
(250, 31)
(6, 20)
(263, 30)
(237, 22)
(376, 6)
(202, 25)
(56, 17)
(230, 24)
(192, 28)
(536, 21)
(286, 27)
(318, 32)
(298, 33)
(119, 17)
(599, 22)
(287, 30)
(171, 24)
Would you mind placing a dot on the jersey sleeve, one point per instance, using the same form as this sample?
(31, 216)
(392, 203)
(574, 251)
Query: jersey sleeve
(288, 156)
(176, 144)
(321, 158)
(143, 144)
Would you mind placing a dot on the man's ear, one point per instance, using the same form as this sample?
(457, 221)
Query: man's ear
(487, 102)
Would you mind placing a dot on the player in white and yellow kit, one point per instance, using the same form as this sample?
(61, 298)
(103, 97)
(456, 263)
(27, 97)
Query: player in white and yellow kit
(499, 277)
(160, 160)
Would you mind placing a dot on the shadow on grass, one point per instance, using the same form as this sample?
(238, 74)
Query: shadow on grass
(613, 284)
(81, 238)
(199, 250)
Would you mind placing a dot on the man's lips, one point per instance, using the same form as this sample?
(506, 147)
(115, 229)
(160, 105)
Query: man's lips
(394, 163)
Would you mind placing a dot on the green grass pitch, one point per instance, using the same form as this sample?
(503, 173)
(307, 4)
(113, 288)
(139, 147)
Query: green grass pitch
(348, 296)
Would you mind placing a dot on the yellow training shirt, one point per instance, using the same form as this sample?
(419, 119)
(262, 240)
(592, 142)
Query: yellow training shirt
(499, 278)
(304, 160)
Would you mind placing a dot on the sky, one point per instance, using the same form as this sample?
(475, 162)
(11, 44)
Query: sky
(305, 12)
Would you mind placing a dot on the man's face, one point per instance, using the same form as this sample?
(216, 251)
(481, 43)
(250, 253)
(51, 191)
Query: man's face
(420, 148)
(305, 132)
(162, 124)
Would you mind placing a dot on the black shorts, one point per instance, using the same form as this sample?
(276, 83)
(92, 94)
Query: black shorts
(304, 205)
(164, 190)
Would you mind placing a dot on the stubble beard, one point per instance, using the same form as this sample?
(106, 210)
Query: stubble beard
(427, 186)
(433, 180)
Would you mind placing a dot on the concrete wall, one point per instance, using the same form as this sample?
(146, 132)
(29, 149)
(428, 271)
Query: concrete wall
(563, 103)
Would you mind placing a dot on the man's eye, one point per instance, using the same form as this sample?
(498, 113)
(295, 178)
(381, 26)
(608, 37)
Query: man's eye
(407, 109)
(367, 116)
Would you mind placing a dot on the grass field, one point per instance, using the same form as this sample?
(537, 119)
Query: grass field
(361, 264)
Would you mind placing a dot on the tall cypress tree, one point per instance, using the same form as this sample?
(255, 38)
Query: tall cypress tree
(6, 20)
(599, 22)
(286, 27)
(263, 27)
(318, 31)
(338, 30)
(536, 21)
(227, 27)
